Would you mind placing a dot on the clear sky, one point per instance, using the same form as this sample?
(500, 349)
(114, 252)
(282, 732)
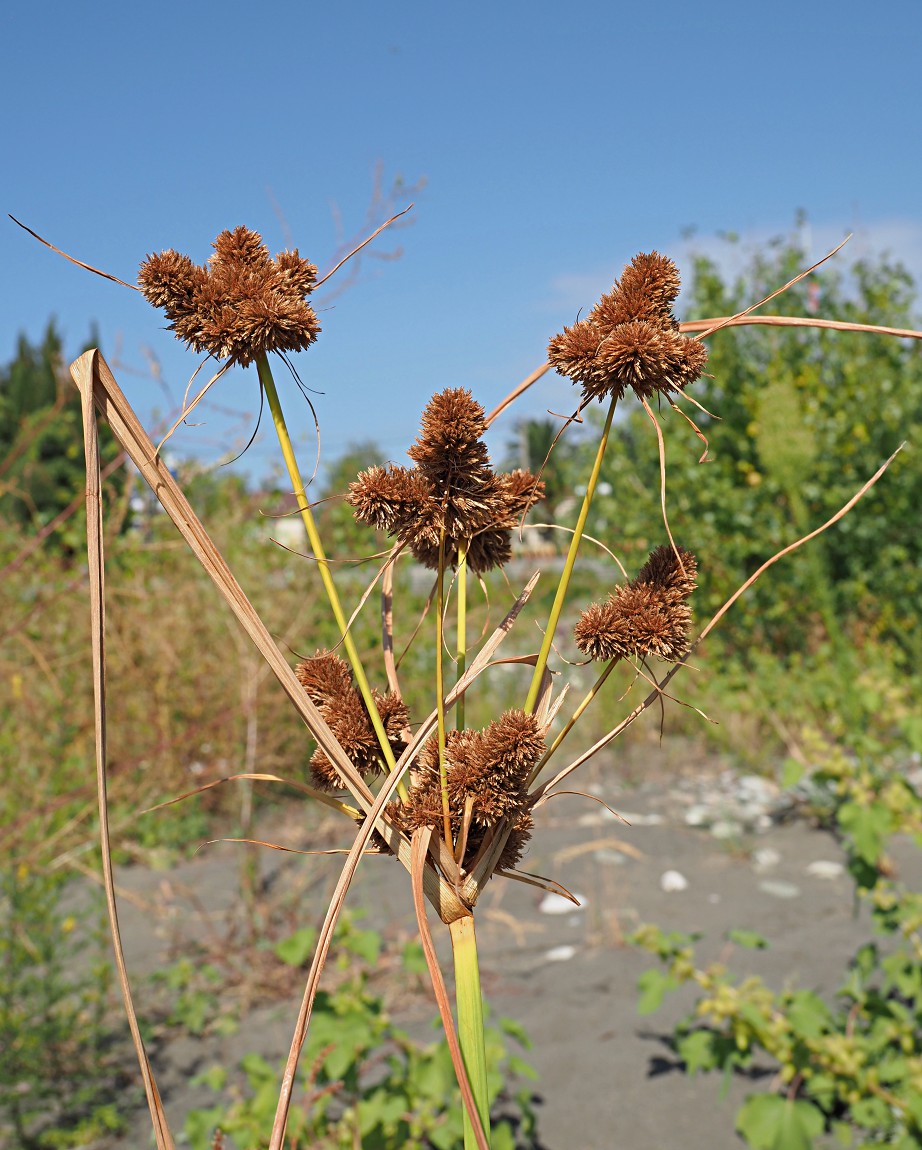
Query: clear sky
(555, 140)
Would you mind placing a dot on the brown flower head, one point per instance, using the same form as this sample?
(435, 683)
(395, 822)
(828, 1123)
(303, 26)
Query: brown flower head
(452, 489)
(671, 571)
(489, 768)
(631, 339)
(328, 681)
(241, 304)
(648, 616)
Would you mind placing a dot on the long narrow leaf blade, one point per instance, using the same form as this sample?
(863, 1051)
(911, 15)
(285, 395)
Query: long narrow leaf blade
(95, 558)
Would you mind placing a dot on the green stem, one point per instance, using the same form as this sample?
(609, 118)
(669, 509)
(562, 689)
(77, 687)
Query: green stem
(564, 583)
(294, 474)
(462, 627)
(469, 1001)
(440, 690)
(574, 718)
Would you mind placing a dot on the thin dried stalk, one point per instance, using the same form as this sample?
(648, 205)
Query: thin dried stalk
(796, 321)
(358, 247)
(717, 322)
(96, 561)
(517, 391)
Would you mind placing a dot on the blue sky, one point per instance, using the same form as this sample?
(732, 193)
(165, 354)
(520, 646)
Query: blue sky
(555, 141)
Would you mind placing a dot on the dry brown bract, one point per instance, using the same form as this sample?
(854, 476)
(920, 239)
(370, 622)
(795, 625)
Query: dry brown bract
(631, 339)
(239, 305)
(648, 616)
(451, 488)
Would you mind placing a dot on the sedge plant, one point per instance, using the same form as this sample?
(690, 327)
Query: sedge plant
(454, 805)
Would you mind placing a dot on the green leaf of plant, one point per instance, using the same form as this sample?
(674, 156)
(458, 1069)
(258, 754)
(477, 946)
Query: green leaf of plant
(791, 773)
(843, 1133)
(214, 1078)
(366, 944)
(502, 1137)
(298, 947)
(413, 959)
(873, 1114)
(808, 1014)
(697, 1051)
(914, 1106)
(257, 1069)
(382, 1108)
(750, 939)
(769, 1122)
(652, 986)
(867, 827)
(517, 1031)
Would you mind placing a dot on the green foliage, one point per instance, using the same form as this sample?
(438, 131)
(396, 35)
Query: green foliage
(42, 467)
(854, 1068)
(56, 1069)
(192, 992)
(362, 1080)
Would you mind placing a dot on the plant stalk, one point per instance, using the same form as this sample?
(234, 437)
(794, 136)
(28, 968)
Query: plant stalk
(564, 583)
(294, 474)
(440, 690)
(574, 718)
(462, 628)
(469, 1001)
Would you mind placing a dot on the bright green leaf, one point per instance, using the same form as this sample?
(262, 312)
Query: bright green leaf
(769, 1122)
(750, 939)
(697, 1051)
(298, 947)
(652, 986)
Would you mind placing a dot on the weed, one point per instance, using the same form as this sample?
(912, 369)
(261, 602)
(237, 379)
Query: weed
(363, 1080)
(853, 1068)
(58, 1060)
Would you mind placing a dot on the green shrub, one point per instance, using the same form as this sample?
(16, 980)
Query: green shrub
(363, 1080)
(56, 1066)
(855, 1067)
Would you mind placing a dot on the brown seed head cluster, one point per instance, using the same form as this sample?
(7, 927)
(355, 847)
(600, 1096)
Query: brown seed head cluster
(328, 682)
(648, 616)
(452, 488)
(239, 305)
(631, 339)
(489, 767)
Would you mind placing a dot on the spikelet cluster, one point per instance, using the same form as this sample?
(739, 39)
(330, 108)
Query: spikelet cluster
(328, 682)
(631, 339)
(489, 767)
(241, 304)
(648, 616)
(451, 488)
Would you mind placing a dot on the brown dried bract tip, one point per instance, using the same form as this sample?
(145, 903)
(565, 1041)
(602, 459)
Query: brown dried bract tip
(648, 616)
(490, 768)
(328, 681)
(452, 488)
(241, 304)
(630, 339)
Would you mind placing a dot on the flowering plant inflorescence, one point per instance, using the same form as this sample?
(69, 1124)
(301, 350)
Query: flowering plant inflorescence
(454, 804)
